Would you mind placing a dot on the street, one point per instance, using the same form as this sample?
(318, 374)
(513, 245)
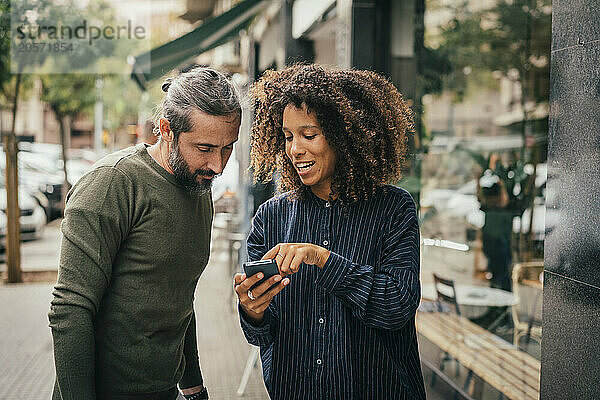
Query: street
(41, 254)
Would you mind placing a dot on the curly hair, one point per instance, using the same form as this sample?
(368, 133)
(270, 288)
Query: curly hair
(363, 116)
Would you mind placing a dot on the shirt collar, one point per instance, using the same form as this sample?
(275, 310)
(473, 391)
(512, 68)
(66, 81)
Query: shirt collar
(313, 198)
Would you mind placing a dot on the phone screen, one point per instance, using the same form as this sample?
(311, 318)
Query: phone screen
(267, 267)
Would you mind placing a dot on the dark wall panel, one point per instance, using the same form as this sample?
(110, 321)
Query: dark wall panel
(571, 332)
(573, 247)
(570, 341)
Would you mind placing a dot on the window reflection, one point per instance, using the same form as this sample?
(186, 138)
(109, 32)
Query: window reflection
(485, 88)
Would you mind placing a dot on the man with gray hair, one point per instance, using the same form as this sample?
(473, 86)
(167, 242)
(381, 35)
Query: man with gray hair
(136, 238)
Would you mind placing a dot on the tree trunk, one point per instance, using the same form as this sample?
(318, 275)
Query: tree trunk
(13, 213)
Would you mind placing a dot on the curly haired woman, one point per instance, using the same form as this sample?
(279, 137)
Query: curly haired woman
(346, 243)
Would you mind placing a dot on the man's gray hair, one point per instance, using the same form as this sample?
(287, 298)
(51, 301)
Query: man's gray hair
(200, 88)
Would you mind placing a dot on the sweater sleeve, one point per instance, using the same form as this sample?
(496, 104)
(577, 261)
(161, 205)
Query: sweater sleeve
(97, 219)
(262, 334)
(192, 376)
(386, 296)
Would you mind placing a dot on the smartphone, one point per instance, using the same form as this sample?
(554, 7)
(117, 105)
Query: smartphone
(267, 267)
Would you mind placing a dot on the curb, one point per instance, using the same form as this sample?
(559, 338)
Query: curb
(32, 277)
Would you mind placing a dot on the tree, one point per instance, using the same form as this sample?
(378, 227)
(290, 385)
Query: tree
(71, 91)
(4, 43)
(68, 96)
(28, 14)
(510, 39)
(15, 13)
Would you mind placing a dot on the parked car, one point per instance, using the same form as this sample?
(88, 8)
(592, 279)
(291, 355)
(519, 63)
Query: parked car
(463, 203)
(48, 157)
(37, 174)
(2, 233)
(32, 220)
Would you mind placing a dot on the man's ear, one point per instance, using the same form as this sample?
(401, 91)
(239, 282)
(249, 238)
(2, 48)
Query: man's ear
(166, 133)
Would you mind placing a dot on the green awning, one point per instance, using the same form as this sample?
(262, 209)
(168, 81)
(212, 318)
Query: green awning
(212, 33)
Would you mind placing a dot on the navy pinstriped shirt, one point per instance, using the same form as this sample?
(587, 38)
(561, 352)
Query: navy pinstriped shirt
(346, 331)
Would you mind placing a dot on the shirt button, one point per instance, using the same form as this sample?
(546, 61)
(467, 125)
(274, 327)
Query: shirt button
(325, 242)
(321, 320)
(328, 204)
(319, 362)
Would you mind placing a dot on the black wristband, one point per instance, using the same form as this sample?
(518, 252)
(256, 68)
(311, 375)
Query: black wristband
(201, 395)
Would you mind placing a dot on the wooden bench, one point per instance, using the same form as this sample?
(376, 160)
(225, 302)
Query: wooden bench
(511, 371)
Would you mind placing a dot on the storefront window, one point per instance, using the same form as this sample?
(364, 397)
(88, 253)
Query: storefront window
(485, 88)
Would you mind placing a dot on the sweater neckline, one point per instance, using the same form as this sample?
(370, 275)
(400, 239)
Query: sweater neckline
(143, 150)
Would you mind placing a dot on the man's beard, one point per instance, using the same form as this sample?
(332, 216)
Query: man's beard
(184, 176)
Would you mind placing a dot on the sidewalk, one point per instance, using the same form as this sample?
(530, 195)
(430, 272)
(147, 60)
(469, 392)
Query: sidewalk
(26, 363)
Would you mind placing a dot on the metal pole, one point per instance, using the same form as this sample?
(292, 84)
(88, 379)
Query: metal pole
(98, 116)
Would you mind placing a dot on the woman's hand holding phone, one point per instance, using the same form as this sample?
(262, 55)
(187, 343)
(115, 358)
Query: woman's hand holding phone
(254, 300)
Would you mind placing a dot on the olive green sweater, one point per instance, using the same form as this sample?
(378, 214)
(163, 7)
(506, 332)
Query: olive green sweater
(134, 245)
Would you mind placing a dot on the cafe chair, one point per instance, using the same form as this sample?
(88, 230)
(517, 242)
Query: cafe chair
(446, 296)
(446, 293)
(527, 287)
